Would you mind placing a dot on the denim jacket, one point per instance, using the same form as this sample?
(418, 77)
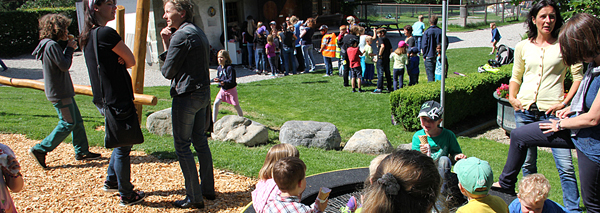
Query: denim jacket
(187, 59)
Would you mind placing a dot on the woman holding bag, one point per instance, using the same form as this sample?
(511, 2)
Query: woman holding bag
(112, 88)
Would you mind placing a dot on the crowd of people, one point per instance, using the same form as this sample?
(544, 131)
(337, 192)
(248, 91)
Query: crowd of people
(415, 180)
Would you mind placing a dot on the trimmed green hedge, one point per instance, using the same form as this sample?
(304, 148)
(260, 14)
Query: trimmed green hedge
(20, 29)
(465, 97)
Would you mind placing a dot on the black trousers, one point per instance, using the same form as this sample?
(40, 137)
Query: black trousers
(300, 59)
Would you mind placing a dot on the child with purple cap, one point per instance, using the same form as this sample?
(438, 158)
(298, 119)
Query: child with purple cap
(400, 60)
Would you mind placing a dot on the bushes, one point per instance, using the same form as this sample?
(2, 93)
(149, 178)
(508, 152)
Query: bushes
(465, 97)
(20, 29)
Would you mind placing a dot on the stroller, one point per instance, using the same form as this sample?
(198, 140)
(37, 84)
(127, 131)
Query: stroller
(504, 56)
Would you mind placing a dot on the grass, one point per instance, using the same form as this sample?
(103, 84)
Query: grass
(273, 102)
(407, 20)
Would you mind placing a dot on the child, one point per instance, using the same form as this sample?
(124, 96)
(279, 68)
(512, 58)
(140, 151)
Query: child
(400, 60)
(10, 178)
(226, 79)
(270, 50)
(338, 49)
(438, 64)
(440, 142)
(355, 71)
(413, 66)
(404, 181)
(475, 179)
(369, 64)
(533, 197)
(495, 37)
(260, 41)
(266, 189)
(58, 86)
(289, 174)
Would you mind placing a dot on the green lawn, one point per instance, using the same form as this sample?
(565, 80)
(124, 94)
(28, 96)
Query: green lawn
(273, 102)
(407, 20)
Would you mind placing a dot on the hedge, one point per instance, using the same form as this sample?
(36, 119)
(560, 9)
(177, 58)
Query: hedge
(465, 97)
(20, 29)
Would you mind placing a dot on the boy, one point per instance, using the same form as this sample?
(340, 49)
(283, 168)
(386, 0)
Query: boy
(369, 64)
(533, 197)
(495, 37)
(383, 63)
(355, 70)
(439, 143)
(413, 66)
(475, 179)
(289, 175)
(58, 86)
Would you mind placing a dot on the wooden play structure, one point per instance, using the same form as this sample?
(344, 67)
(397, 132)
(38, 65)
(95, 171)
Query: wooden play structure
(139, 52)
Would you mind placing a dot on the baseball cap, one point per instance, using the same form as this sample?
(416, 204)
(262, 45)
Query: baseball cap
(414, 50)
(323, 27)
(474, 174)
(431, 109)
(273, 23)
(402, 44)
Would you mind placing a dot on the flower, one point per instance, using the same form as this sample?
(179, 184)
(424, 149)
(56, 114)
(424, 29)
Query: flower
(502, 91)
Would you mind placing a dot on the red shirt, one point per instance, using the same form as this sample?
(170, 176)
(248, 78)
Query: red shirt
(354, 56)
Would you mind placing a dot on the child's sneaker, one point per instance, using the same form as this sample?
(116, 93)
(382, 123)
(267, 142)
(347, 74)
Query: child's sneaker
(110, 188)
(135, 198)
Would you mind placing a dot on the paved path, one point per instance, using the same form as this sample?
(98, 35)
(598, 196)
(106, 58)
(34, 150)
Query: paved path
(27, 67)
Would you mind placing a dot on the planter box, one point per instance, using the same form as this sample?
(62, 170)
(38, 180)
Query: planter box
(505, 117)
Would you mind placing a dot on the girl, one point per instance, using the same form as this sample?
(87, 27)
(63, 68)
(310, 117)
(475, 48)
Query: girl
(266, 189)
(10, 178)
(438, 64)
(404, 181)
(495, 37)
(400, 60)
(116, 87)
(369, 63)
(270, 50)
(307, 46)
(226, 79)
(260, 39)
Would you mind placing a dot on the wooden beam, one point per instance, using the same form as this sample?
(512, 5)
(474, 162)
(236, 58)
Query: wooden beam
(79, 89)
(139, 49)
(121, 21)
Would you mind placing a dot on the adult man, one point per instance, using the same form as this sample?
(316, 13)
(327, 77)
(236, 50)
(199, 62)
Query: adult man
(328, 46)
(186, 63)
(383, 61)
(431, 38)
(299, 57)
(344, 44)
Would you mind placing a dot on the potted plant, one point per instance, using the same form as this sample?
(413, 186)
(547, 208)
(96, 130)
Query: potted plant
(505, 117)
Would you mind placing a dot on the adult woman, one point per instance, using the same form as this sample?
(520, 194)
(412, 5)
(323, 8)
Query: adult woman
(307, 45)
(287, 38)
(537, 88)
(250, 29)
(113, 86)
(579, 41)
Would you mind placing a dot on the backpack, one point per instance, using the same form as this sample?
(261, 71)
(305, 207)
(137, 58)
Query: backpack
(505, 54)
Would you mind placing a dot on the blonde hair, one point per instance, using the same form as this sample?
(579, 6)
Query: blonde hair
(369, 38)
(400, 50)
(375, 163)
(276, 152)
(534, 188)
(270, 38)
(293, 19)
(225, 55)
(53, 26)
(259, 24)
(343, 28)
(405, 180)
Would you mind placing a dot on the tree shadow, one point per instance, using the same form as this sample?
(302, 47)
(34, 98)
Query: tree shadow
(241, 197)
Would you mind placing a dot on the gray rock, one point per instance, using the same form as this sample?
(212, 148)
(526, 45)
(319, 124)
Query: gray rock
(240, 130)
(160, 123)
(369, 141)
(310, 134)
(407, 146)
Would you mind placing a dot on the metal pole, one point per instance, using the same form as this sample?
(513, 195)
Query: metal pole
(444, 47)
(225, 28)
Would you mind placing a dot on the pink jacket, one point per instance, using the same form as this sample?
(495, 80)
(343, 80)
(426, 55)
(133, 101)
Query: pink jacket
(266, 191)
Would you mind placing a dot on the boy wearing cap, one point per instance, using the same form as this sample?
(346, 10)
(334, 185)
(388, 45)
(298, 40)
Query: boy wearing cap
(328, 46)
(437, 142)
(475, 178)
(413, 66)
(533, 197)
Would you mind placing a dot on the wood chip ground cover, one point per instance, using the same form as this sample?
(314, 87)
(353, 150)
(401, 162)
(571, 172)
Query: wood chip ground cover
(69, 185)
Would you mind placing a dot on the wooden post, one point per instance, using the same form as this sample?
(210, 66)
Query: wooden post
(485, 16)
(121, 21)
(502, 12)
(139, 49)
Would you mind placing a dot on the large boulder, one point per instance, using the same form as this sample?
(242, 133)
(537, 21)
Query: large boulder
(407, 146)
(369, 141)
(240, 130)
(160, 123)
(310, 134)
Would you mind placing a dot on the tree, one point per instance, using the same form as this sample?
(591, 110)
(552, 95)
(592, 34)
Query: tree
(569, 8)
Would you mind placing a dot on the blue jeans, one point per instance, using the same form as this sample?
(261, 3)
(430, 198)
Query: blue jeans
(398, 78)
(430, 68)
(309, 58)
(288, 60)
(189, 117)
(413, 79)
(418, 40)
(251, 55)
(444, 164)
(328, 65)
(562, 158)
(261, 59)
(70, 122)
(119, 170)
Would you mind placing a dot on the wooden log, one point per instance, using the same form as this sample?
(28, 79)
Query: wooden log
(121, 21)
(139, 48)
(79, 89)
